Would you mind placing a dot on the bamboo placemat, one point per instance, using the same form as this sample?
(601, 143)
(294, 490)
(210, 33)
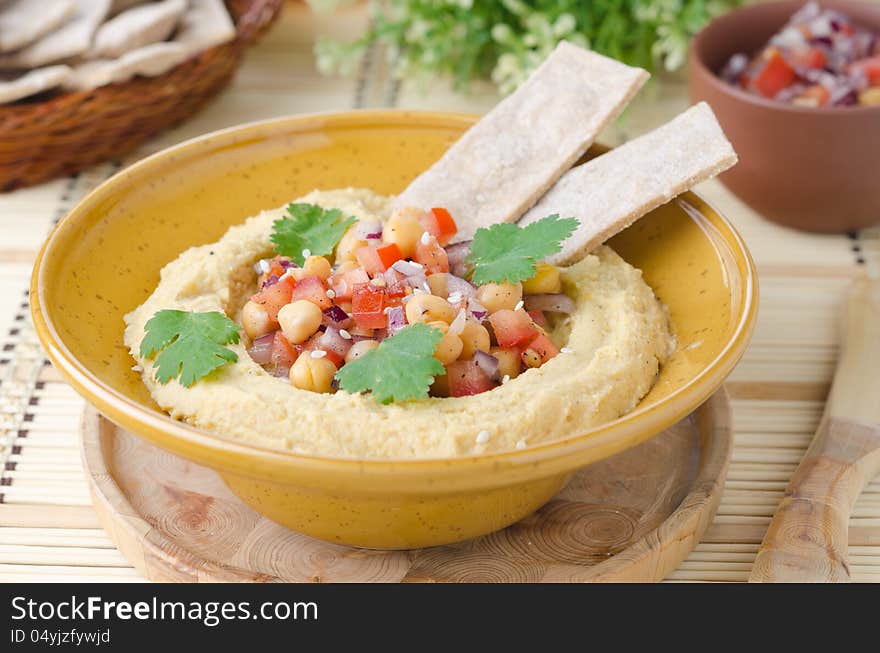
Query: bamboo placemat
(48, 530)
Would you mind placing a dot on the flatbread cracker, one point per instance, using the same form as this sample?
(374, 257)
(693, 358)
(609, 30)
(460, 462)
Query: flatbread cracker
(137, 27)
(33, 82)
(205, 23)
(504, 163)
(72, 39)
(24, 21)
(149, 61)
(610, 192)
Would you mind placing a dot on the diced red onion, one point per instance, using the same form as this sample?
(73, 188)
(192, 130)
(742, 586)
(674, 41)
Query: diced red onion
(555, 302)
(734, 68)
(488, 363)
(458, 285)
(457, 325)
(335, 316)
(396, 319)
(369, 229)
(331, 340)
(477, 311)
(408, 268)
(457, 254)
(287, 263)
(260, 350)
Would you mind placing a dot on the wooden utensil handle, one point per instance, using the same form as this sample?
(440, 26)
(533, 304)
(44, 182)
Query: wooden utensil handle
(807, 538)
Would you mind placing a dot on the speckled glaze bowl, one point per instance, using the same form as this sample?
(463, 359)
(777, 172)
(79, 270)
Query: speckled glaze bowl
(810, 168)
(104, 258)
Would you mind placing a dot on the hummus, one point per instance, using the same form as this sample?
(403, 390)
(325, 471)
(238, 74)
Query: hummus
(614, 343)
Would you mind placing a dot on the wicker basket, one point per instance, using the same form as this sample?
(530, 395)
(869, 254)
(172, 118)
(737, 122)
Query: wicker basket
(67, 132)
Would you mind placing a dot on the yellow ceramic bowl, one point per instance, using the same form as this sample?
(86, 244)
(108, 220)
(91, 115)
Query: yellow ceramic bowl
(104, 259)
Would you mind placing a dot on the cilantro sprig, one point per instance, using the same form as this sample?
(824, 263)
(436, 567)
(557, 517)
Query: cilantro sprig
(309, 227)
(189, 345)
(402, 367)
(508, 252)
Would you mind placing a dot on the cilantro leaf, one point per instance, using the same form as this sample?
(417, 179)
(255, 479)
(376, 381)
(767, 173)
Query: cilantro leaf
(402, 367)
(507, 252)
(309, 227)
(189, 345)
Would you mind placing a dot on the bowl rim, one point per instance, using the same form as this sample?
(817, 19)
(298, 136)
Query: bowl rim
(699, 66)
(257, 461)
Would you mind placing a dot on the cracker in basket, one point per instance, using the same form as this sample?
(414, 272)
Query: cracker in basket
(33, 82)
(610, 192)
(205, 23)
(70, 40)
(149, 61)
(24, 21)
(137, 27)
(507, 160)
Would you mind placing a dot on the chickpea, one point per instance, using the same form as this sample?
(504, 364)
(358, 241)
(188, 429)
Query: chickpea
(449, 348)
(437, 284)
(348, 244)
(255, 320)
(546, 280)
(531, 358)
(404, 228)
(870, 97)
(360, 348)
(509, 363)
(428, 308)
(497, 296)
(346, 266)
(473, 336)
(315, 374)
(317, 266)
(299, 320)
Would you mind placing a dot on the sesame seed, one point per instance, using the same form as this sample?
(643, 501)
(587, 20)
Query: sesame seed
(330, 293)
(318, 353)
(521, 444)
(519, 305)
(505, 379)
(566, 350)
(426, 238)
(345, 334)
(454, 298)
(307, 253)
(482, 437)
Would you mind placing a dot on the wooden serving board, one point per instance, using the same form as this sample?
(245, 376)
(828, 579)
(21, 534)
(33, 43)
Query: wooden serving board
(632, 517)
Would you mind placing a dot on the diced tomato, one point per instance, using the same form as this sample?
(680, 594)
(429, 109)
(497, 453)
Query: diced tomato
(343, 285)
(544, 347)
(467, 378)
(538, 318)
(273, 297)
(512, 328)
(809, 57)
(375, 259)
(816, 95)
(312, 289)
(283, 355)
(774, 76)
(368, 307)
(439, 223)
(871, 68)
(432, 256)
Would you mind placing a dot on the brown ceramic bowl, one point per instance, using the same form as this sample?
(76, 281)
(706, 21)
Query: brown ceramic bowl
(812, 168)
